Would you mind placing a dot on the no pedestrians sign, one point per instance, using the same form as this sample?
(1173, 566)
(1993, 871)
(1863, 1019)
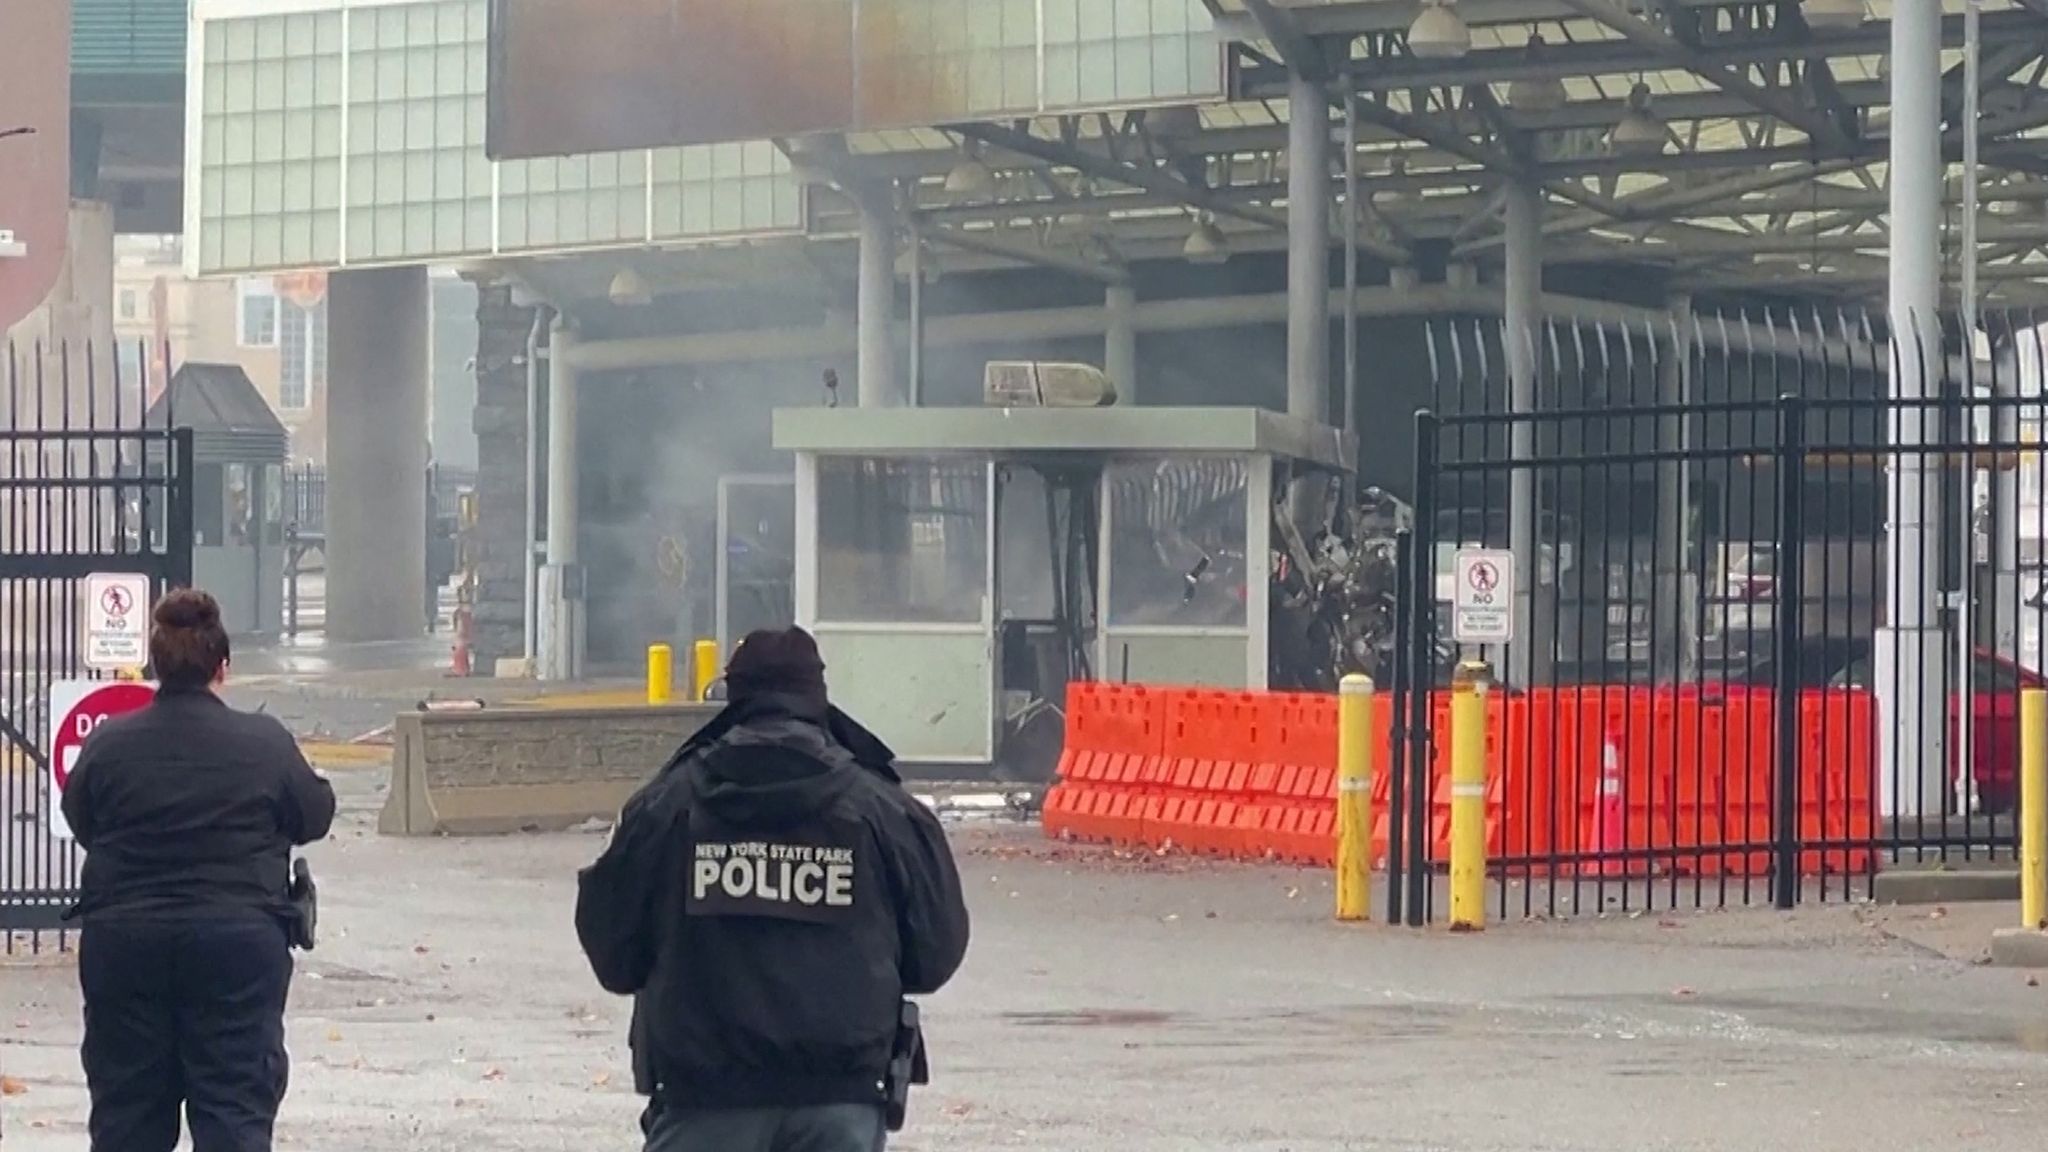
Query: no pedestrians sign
(116, 621)
(1483, 604)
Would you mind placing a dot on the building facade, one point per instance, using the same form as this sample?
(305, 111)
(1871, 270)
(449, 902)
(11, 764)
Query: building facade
(273, 327)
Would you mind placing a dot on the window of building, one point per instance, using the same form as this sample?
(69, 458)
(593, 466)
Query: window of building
(301, 354)
(127, 304)
(128, 363)
(256, 318)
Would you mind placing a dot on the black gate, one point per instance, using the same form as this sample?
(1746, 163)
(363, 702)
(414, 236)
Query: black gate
(86, 486)
(1771, 625)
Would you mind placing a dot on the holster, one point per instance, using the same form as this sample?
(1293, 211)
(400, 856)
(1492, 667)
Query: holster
(644, 1080)
(303, 925)
(907, 1066)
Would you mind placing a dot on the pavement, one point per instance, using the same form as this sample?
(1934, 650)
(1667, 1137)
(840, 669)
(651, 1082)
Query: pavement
(1148, 1003)
(1134, 1002)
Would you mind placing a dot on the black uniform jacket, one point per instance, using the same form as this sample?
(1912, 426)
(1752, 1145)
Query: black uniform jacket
(768, 900)
(189, 808)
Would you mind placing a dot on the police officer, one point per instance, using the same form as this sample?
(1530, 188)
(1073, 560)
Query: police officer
(188, 811)
(768, 900)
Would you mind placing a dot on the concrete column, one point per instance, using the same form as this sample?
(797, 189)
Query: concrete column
(560, 654)
(1913, 777)
(2006, 607)
(1676, 645)
(880, 384)
(1120, 340)
(504, 325)
(377, 368)
(1308, 251)
(1523, 333)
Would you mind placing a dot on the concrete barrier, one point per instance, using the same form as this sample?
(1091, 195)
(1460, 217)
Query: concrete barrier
(498, 770)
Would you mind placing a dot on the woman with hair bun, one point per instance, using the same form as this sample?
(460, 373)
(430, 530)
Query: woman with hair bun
(188, 811)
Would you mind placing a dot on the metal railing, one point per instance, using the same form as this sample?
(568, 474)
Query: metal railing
(305, 518)
(1770, 622)
(88, 484)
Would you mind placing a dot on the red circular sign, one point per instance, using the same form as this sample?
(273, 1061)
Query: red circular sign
(114, 600)
(113, 698)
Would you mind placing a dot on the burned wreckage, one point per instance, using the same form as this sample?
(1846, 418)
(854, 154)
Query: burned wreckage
(1333, 594)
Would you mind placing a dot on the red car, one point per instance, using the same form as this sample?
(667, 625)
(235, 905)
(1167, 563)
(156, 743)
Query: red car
(1995, 687)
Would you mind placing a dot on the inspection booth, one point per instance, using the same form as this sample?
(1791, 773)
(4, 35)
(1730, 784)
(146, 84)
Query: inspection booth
(960, 565)
(239, 448)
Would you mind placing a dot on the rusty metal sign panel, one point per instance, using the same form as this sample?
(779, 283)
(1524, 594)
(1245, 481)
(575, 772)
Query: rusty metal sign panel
(657, 73)
(35, 151)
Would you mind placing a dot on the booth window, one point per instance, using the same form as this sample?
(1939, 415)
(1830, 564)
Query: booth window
(272, 481)
(902, 540)
(209, 505)
(1177, 543)
(238, 503)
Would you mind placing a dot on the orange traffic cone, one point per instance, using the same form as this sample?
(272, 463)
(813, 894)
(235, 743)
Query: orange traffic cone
(1608, 836)
(459, 661)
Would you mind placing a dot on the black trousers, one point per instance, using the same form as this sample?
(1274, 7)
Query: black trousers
(184, 1013)
(827, 1128)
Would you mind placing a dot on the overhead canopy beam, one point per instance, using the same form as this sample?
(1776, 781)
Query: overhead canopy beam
(1695, 241)
(968, 241)
(1428, 130)
(1664, 203)
(1296, 50)
(1599, 57)
(1153, 180)
(1730, 78)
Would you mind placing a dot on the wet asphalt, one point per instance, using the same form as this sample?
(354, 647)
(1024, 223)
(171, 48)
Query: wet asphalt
(1130, 1002)
(1140, 1002)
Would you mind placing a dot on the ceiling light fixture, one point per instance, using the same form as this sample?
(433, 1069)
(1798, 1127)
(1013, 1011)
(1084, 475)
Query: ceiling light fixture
(1537, 93)
(970, 179)
(629, 290)
(1833, 15)
(1438, 33)
(1640, 132)
(1206, 244)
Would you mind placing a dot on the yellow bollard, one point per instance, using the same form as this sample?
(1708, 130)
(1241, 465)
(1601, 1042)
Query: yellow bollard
(1468, 796)
(704, 668)
(2034, 808)
(1354, 798)
(661, 673)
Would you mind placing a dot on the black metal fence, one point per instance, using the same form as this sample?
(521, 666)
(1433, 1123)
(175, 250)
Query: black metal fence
(88, 484)
(305, 500)
(305, 520)
(1770, 623)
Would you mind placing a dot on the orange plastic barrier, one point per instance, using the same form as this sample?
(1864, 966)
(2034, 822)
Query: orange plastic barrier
(1253, 775)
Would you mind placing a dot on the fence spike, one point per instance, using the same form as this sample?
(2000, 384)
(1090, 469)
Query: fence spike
(1628, 360)
(1436, 374)
(1485, 343)
(1457, 361)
